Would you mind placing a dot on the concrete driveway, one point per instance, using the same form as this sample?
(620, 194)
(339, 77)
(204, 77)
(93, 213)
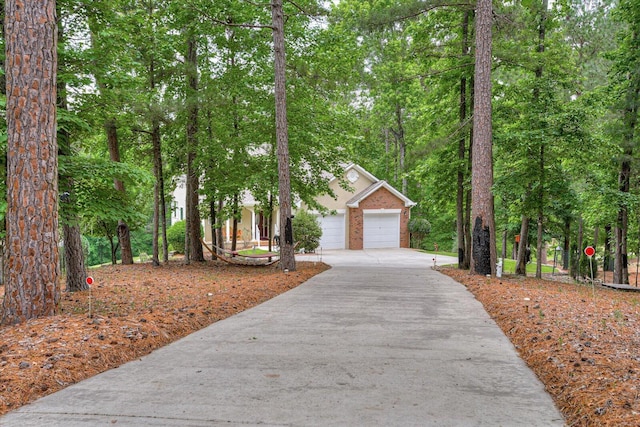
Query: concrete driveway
(380, 339)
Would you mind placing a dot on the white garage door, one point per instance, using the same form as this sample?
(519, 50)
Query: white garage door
(381, 230)
(332, 231)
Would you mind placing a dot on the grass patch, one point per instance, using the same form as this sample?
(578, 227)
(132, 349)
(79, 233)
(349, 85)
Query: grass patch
(509, 266)
(254, 251)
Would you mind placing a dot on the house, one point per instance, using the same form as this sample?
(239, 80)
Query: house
(370, 214)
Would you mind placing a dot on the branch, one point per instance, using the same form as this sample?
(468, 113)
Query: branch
(304, 12)
(397, 14)
(227, 23)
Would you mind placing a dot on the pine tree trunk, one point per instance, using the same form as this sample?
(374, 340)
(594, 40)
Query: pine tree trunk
(521, 264)
(124, 235)
(566, 246)
(76, 274)
(539, 246)
(621, 266)
(580, 242)
(193, 183)
(160, 212)
(74, 259)
(234, 224)
(467, 210)
(287, 254)
(32, 270)
(483, 252)
(220, 234)
(462, 143)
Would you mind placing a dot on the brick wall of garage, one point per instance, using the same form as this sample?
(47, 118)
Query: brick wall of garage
(381, 199)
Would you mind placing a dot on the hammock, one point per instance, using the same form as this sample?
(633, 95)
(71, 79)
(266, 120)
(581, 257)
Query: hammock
(233, 257)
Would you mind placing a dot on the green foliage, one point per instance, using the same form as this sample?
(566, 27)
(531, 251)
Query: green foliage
(419, 229)
(306, 231)
(176, 236)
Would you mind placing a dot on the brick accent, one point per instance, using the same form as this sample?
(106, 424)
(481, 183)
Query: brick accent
(381, 199)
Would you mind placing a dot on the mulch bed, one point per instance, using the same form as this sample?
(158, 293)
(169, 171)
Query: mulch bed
(582, 341)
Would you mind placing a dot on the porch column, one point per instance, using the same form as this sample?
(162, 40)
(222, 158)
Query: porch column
(253, 222)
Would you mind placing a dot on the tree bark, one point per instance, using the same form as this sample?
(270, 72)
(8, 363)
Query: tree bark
(287, 254)
(159, 208)
(234, 226)
(462, 145)
(483, 252)
(32, 270)
(76, 274)
(621, 266)
(124, 235)
(566, 244)
(194, 247)
(74, 259)
(467, 201)
(607, 247)
(521, 264)
(541, 159)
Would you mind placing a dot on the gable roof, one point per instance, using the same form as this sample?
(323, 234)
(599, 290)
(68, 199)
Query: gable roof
(354, 202)
(360, 170)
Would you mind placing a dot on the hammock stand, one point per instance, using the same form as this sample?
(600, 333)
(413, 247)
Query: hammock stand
(233, 257)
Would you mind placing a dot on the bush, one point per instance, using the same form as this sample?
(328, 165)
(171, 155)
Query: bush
(419, 229)
(306, 231)
(175, 236)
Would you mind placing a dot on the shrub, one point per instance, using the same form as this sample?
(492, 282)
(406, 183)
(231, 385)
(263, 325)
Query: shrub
(419, 229)
(176, 235)
(306, 231)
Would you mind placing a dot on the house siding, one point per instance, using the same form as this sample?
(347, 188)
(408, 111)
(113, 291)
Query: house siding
(381, 199)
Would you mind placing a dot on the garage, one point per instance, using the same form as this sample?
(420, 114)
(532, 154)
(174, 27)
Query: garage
(381, 229)
(332, 231)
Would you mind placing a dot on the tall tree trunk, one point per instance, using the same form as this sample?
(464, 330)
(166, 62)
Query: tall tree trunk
(159, 211)
(483, 252)
(76, 274)
(580, 243)
(194, 250)
(607, 248)
(621, 266)
(74, 258)
(220, 234)
(270, 222)
(234, 227)
(566, 244)
(287, 254)
(31, 267)
(541, 159)
(462, 145)
(505, 237)
(539, 246)
(523, 248)
(124, 235)
(467, 201)
(213, 218)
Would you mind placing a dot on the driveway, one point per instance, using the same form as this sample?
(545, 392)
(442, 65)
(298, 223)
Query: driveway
(380, 339)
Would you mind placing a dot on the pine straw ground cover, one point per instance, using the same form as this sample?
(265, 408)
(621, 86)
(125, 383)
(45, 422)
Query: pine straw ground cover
(130, 311)
(583, 342)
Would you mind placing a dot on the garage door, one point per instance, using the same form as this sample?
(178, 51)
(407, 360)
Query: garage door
(381, 230)
(332, 231)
